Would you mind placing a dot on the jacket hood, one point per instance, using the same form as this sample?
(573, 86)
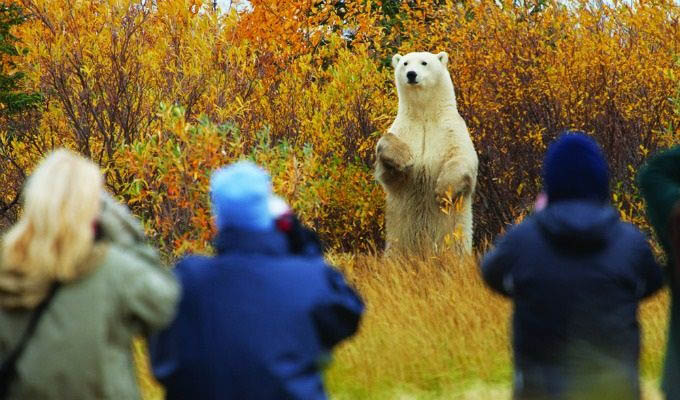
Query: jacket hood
(578, 224)
(231, 240)
(575, 168)
(21, 290)
(118, 225)
(18, 290)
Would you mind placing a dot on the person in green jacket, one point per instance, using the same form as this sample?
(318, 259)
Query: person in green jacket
(111, 287)
(659, 181)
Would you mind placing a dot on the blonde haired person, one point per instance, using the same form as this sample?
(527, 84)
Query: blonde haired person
(83, 259)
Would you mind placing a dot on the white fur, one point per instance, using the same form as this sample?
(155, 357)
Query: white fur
(426, 152)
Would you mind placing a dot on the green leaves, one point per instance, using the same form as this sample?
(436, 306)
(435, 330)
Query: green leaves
(12, 99)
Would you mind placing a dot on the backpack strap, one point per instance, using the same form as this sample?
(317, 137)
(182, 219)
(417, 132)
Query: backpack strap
(8, 369)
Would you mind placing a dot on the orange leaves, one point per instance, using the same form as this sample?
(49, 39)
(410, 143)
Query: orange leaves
(170, 182)
(521, 78)
(173, 167)
(305, 88)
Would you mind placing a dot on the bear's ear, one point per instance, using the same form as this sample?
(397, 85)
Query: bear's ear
(443, 57)
(395, 60)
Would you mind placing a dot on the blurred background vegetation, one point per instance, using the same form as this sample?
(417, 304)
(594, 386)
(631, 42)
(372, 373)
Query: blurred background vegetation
(162, 92)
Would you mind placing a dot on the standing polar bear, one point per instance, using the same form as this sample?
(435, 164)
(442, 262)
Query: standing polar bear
(426, 155)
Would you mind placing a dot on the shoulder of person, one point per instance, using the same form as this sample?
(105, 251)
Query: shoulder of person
(519, 231)
(192, 267)
(630, 232)
(191, 262)
(118, 224)
(123, 260)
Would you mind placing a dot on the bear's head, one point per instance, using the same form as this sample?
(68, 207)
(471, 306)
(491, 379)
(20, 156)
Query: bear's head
(420, 70)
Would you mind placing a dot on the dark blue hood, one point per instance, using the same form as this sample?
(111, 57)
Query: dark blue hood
(578, 224)
(232, 240)
(575, 168)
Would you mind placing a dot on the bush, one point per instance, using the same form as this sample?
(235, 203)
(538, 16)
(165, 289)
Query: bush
(309, 98)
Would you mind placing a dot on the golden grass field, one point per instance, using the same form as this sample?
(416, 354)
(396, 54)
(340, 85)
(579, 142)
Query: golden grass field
(432, 330)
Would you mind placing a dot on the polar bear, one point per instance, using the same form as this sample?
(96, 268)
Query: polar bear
(427, 156)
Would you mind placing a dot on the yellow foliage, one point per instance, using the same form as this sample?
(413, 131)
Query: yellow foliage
(308, 89)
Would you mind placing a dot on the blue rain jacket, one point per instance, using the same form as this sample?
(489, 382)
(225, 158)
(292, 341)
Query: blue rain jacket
(254, 322)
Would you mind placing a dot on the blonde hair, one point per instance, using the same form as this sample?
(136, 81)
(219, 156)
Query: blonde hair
(55, 234)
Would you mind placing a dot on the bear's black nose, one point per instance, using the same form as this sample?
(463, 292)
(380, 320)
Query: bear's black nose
(411, 75)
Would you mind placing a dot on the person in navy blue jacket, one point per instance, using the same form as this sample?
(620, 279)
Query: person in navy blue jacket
(258, 320)
(576, 275)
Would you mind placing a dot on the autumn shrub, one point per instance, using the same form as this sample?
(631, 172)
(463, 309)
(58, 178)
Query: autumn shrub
(171, 195)
(305, 89)
(17, 106)
(528, 72)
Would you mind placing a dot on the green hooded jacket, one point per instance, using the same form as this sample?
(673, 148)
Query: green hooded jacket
(82, 347)
(659, 181)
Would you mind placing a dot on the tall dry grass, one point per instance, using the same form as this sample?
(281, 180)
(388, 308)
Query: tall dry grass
(430, 325)
(432, 330)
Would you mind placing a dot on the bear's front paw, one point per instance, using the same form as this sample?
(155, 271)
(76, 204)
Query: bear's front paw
(394, 153)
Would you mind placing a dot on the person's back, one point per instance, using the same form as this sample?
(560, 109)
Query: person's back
(81, 347)
(255, 321)
(576, 274)
(659, 182)
(576, 284)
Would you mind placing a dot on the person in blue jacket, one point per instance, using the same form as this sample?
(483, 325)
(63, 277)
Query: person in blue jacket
(576, 275)
(257, 320)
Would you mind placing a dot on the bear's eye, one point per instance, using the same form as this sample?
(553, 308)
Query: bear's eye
(424, 63)
(405, 63)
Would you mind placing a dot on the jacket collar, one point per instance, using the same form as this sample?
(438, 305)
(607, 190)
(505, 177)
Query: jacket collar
(578, 223)
(251, 242)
